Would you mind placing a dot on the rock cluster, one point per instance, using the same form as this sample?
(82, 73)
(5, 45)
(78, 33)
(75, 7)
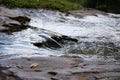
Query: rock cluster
(12, 20)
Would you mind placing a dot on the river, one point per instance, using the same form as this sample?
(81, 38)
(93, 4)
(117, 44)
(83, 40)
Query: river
(98, 36)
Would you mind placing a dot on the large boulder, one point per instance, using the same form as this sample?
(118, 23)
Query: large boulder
(12, 20)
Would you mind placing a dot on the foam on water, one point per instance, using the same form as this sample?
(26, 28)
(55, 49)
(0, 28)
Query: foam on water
(89, 26)
(91, 31)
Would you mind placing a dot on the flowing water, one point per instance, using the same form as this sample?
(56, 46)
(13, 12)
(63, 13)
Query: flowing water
(98, 36)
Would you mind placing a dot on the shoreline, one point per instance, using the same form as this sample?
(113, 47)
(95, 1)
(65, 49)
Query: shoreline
(58, 68)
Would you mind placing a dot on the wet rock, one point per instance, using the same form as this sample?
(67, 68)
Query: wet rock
(62, 38)
(54, 78)
(52, 73)
(38, 44)
(55, 41)
(12, 20)
(11, 27)
(3, 29)
(22, 19)
(86, 12)
(49, 43)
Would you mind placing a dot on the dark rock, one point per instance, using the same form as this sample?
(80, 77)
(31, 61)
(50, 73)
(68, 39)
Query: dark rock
(63, 38)
(52, 73)
(50, 43)
(15, 27)
(54, 78)
(22, 19)
(3, 29)
(12, 20)
(54, 41)
(69, 38)
(38, 44)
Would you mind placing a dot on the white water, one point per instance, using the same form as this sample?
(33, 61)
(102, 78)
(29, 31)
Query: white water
(89, 26)
(88, 29)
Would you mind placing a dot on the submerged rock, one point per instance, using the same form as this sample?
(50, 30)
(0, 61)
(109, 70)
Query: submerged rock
(12, 20)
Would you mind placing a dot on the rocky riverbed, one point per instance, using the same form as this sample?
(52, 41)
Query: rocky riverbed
(58, 68)
(50, 45)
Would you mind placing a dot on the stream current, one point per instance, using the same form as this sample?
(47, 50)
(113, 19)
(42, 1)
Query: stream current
(98, 36)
